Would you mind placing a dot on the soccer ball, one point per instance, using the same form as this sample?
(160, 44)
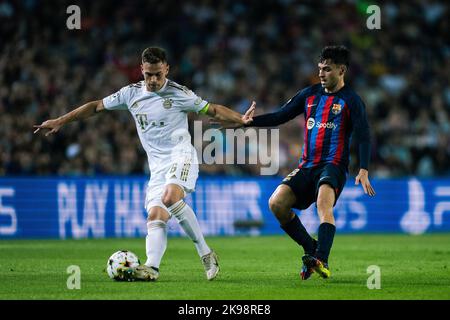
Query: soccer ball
(120, 259)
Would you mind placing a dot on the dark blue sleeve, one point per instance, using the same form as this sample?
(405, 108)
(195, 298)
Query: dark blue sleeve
(290, 110)
(361, 131)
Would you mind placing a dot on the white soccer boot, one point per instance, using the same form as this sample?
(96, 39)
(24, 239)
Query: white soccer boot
(140, 273)
(211, 264)
(146, 273)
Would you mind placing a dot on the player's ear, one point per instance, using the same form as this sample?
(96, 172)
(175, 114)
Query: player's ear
(167, 69)
(343, 69)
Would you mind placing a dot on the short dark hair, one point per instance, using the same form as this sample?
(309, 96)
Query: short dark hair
(154, 55)
(337, 55)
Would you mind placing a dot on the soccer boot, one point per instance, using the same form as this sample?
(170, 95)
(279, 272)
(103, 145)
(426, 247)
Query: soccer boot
(140, 273)
(124, 274)
(145, 273)
(318, 266)
(306, 271)
(211, 264)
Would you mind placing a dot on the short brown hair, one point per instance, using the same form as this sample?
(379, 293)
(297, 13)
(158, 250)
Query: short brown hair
(154, 55)
(337, 55)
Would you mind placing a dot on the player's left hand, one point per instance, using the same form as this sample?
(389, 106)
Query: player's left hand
(363, 177)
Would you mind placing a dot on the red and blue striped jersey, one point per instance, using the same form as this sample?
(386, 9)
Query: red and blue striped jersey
(330, 120)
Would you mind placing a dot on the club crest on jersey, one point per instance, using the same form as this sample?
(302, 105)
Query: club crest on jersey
(167, 104)
(336, 108)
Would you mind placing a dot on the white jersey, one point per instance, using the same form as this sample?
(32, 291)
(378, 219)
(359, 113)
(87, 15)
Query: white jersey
(160, 116)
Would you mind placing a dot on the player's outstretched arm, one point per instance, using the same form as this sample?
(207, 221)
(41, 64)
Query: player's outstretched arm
(363, 177)
(229, 118)
(85, 111)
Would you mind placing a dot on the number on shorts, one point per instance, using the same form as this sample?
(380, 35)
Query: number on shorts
(290, 175)
(173, 168)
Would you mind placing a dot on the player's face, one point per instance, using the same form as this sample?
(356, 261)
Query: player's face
(329, 74)
(154, 75)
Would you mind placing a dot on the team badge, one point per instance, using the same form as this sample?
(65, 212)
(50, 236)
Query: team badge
(336, 108)
(167, 104)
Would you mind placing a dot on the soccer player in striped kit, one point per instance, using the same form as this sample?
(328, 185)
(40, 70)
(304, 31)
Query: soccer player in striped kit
(333, 112)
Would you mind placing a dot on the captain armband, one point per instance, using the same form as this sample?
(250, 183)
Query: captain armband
(205, 109)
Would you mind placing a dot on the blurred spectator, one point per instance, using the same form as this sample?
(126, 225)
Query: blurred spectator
(230, 53)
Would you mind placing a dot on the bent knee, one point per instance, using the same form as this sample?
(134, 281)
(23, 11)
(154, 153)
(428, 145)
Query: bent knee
(277, 205)
(158, 213)
(170, 198)
(172, 195)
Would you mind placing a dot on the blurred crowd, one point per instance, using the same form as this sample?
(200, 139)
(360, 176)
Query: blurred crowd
(230, 53)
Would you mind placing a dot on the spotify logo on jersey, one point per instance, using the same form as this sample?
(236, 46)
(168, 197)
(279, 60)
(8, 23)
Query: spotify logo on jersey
(327, 125)
(310, 124)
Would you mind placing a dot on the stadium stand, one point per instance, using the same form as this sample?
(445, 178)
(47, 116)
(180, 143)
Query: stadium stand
(229, 52)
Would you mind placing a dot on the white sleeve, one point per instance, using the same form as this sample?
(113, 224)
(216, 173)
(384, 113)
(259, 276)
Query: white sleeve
(190, 102)
(117, 101)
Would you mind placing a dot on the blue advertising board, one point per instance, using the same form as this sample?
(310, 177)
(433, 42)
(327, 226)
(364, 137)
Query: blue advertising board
(114, 207)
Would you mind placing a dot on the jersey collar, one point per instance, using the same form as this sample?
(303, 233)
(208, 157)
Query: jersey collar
(144, 88)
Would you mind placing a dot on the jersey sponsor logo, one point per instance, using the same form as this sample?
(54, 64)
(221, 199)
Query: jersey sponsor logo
(142, 121)
(336, 108)
(327, 125)
(167, 104)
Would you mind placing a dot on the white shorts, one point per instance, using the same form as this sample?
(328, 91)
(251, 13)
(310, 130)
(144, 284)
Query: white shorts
(182, 171)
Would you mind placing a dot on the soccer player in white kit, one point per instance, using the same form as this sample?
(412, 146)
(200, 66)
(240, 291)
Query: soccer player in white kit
(159, 107)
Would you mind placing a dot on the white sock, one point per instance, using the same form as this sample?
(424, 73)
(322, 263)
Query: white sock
(188, 221)
(155, 242)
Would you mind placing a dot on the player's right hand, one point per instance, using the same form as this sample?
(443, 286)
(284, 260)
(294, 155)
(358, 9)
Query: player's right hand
(247, 118)
(53, 125)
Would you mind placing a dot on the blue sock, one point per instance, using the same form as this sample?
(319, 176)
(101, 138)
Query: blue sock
(298, 233)
(326, 236)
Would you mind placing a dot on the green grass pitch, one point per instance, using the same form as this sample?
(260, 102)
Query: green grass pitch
(412, 267)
